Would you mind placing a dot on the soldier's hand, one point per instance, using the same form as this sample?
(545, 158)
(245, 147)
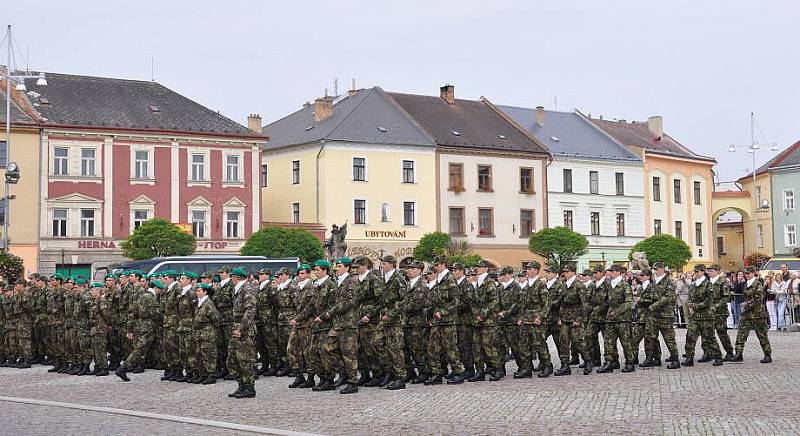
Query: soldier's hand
(576, 324)
(236, 334)
(437, 315)
(292, 322)
(365, 319)
(480, 318)
(537, 322)
(129, 336)
(501, 315)
(519, 322)
(559, 322)
(385, 318)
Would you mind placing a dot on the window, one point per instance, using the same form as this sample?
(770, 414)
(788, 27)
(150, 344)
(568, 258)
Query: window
(568, 219)
(721, 245)
(456, 172)
(295, 172)
(567, 180)
(788, 199)
(264, 174)
(758, 196)
(141, 160)
(526, 223)
(409, 213)
(620, 179)
(676, 190)
(198, 167)
(760, 236)
(456, 220)
(408, 171)
(526, 180)
(232, 224)
(698, 233)
(679, 229)
(790, 235)
(594, 182)
(87, 222)
(656, 227)
(3, 154)
(199, 223)
(295, 213)
(87, 162)
(59, 223)
(620, 224)
(359, 211)
(485, 222)
(656, 188)
(697, 193)
(2, 212)
(60, 161)
(359, 169)
(594, 218)
(139, 217)
(232, 168)
(484, 178)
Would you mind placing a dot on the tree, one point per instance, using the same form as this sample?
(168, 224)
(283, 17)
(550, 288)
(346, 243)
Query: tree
(431, 245)
(559, 245)
(756, 260)
(664, 248)
(459, 250)
(284, 242)
(158, 237)
(11, 267)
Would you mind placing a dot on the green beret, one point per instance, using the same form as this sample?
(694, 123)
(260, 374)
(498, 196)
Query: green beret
(457, 266)
(389, 259)
(533, 265)
(225, 268)
(169, 273)
(239, 271)
(266, 271)
(110, 276)
(97, 285)
(322, 263)
(570, 267)
(157, 284)
(440, 259)
(136, 272)
(304, 267)
(204, 286)
(80, 281)
(216, 278)
(283, 270)
(506, 270)
(699, 268)
(417, 265)
(57, 276)
(70, 280)
(344, 261)
(192, 275)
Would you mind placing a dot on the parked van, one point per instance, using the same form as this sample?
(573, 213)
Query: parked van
(200, 264)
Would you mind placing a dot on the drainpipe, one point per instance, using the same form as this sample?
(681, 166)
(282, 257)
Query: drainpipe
(319, 153)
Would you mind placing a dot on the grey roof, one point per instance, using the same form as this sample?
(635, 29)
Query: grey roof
(17, 115)
(792, 159)
(355, 118)
(788, 158)
(637, 134)
(119, 103)
(568, 134)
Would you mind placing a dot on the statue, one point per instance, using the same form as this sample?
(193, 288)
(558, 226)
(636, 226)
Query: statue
(335, 245)
(640, 262)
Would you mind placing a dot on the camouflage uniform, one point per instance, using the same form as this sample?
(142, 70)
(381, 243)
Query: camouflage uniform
(572, 320)
(126, 305)
(144, 314)
(100, 316)
(206, 318)
(299, 346)
(82, 306)
(323, 301)
(242, 350)
(443, 338)
(722, 295)
(223, 299)
(701, 321)
(465, 323)
(507, 331)
(285, 296)
(370, 336)
(618, 322)
(23, 316)
(534, 305)
(40, 336)
(661, 298)
(416, 325)
(754, 315)
(485, 305)
(266, 335)
(114, 337)
(393, 307)
(171, 326)
(643, 318)
(187, 348)
(70, 340)
(341, 342)
(555, 295)
(597, 303)
(55, 321)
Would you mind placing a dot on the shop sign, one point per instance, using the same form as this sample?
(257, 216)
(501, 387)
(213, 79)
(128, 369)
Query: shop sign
(97, 244)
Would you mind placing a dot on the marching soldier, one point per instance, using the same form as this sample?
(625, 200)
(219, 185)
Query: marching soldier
(391, 323)
(266, 336)
(55, 321)
(507, 316)
(534, 307)
(299, 346)
(100, 315)
(701, 321)
(465, 319)
(40, 331)
(722, 295)
(662, 296)
(171, 326)
(285, 304)
(186, 300)
(206, 318)
(323, 301)
(143, 319)
(754, 317)
(618, 322)
(554, 295)
(416, 321)
(242, 348)
(341, 343)
(642, 318)
(370, 337)
(571, 321)
(223, 299)
(443, 338)
(597, 309)
(23, 318)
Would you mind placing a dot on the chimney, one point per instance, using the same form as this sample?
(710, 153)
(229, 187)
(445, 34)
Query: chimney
(448, 94)
(656, 125)
(353, 91)
(323, 108)
(540, 116)
(254, 123)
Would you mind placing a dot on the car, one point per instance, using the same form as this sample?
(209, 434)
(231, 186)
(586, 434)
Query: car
(200, 264)
(774, 265)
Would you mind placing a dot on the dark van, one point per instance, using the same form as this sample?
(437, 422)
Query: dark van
(200, 264)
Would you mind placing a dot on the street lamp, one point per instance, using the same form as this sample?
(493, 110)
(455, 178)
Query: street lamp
(18, 77)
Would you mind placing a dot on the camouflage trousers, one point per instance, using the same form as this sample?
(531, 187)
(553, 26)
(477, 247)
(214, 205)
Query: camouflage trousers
(553, 329)
(663, 326)
(171, 346)
(591, 340)
(12, 352)
(571, 336)
(638, 334)
(39, 339)
(55, 347)
(206, 346)
(298, 348)
(369, 349)
(464, 332)
(704, 328)
(443, 340)
(507, 336)
(99, 348)
(721, 327)
(223, 339)
(416, 338)
(187, 348)
(85, 344)
(760, 326)
(25, 340)
(242, 359)
(394, 343)
(125, 344)
(618, 331)
(142, 341)
(316, 355)
(341, 346)
(267, 344)
(484, 351)
(116, 353)
(534, 343)
(283, 341)
(69, 344)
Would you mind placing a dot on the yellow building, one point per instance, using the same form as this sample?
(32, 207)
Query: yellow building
(23, 220)
(758, 230)
(730, 245)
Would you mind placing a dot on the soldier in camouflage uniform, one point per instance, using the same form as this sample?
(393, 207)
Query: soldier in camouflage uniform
(341, 343)
(416, 321)
(322, 301)
(597, 309)
(701, 319)
(754, 317)
(391, 323)
(284, 299)
(242, 347)
(370, 336)
(186, 300)
(722, 294)
(266, 336)
(618, 322)
(642, 317)
(465, 319)
(484, 325)
(55, 321)
(171, 344)
(660, 298)
(507, 330)
(223, 299)
(69, 339)
(554, 296)
(23, 318)
(3, 343)
(125, 291)
(571, 321)
(39, 307)
(206, 318)
(533, 311)
(100, 316)
(299, 345)
(443, 339)
(81, 311)
(143, 320)
(112, 294)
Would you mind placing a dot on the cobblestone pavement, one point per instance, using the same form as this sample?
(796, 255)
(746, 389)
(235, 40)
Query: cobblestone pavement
(747, 398)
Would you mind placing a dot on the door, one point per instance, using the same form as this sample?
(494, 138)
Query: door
(68, 270)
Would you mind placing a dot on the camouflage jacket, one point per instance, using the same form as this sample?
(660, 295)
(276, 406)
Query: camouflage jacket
(286, 295)
(597, 301)
(99, 315)
(394, 292)
(23, 312)
(417, 304)
(306, 310)
(485, 303)
(145, 313)
(126, 302)
(753, 301)
(701, 300)
(444, 299)
(572, 302)
(206, 319)
(55, 306)
(266, 313)
(466, 295)
(663, 298)
(722, 295)
(223, 299)
(81, 310)
(370, 297)
(186, 306)
(534, 302)
(343, 315)
(244, 310)
(169, 298)
(39, 305)
(508, 302)
(620, 302)
(555, 295)
(323, 301)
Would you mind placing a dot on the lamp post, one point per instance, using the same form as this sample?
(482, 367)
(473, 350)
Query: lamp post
(19, 84)
(752, 149)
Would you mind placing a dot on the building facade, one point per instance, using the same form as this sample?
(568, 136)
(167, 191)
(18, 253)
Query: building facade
(784, 174)
(758, 232)
(109, 164)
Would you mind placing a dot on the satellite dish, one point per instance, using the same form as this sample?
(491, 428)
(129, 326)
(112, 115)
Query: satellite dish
(765, 204)
(796, 252)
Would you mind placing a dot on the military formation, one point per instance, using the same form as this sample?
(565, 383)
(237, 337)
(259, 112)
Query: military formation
(349, 323)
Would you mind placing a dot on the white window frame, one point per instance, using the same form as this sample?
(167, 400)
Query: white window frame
(206, 180)
(353, 167)
(237, 224)
(263, 175)
(790, 235)
(192, 221)
(239, 171)
(84, 222)
(200, 204)
(721, 238)
(60, 162)
(65, 232)
(366, 211)
(88, 164)
(413, 171)
(291, 213)
(149, 164)
(760, 235)
(414, 217)
(788, 200)
(141, 203)
(234, 205)
(299, 172)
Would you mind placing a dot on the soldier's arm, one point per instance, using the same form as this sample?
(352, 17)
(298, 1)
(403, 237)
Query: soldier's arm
(249, 315)
(307, 307)
(376, 287)
(666, 298)
(394, 297)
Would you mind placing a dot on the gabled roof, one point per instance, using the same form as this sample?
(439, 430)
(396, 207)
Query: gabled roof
(785, 159)
(88, 101)
(17, 115)
(569, 134)
(467, 124)
(362, 117)
(637, 134)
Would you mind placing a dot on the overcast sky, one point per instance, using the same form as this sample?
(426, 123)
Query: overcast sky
(703, 65)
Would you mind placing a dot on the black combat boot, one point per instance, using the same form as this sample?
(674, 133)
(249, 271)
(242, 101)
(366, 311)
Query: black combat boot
(706, 358)
(588, 367)
(767, 358)
(74, 369)
(271, 371)
(411, 374)
(167, 374)
(479, 376)
(689, 361)
(564, 370)
(539, 367)
(102, 372)
(615, 365)
(55, 368)
(248, 391)
(435, 379)
(657, 361)
(547, 371)
(309, 383)
(737, 358)
(364, 379)
(120, 372)
(574, 360)
(208, 380)
(298, 380)
(502, 368)
(397, 384)
(456, 379)
(717, 361)
(375, 381)
(181, 378)
(469, 371)
(63, 368)
(523, 373)
(138, 370)
(629, 367)
(238, 391)
(422, 377)
(607, 367)
(325, 384)
(349, 388)
(339, 382)
(24, 364)
(728, 357)
(674, 363)
(282, 371)
(648, 363)
(196, 379)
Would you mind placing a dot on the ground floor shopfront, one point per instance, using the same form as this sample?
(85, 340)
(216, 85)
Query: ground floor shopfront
(375, 248)
(604, 256)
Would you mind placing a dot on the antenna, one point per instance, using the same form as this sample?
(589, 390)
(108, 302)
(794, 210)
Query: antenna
(335, 87)
(353, 84)
(152, 69)
(555, 102)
